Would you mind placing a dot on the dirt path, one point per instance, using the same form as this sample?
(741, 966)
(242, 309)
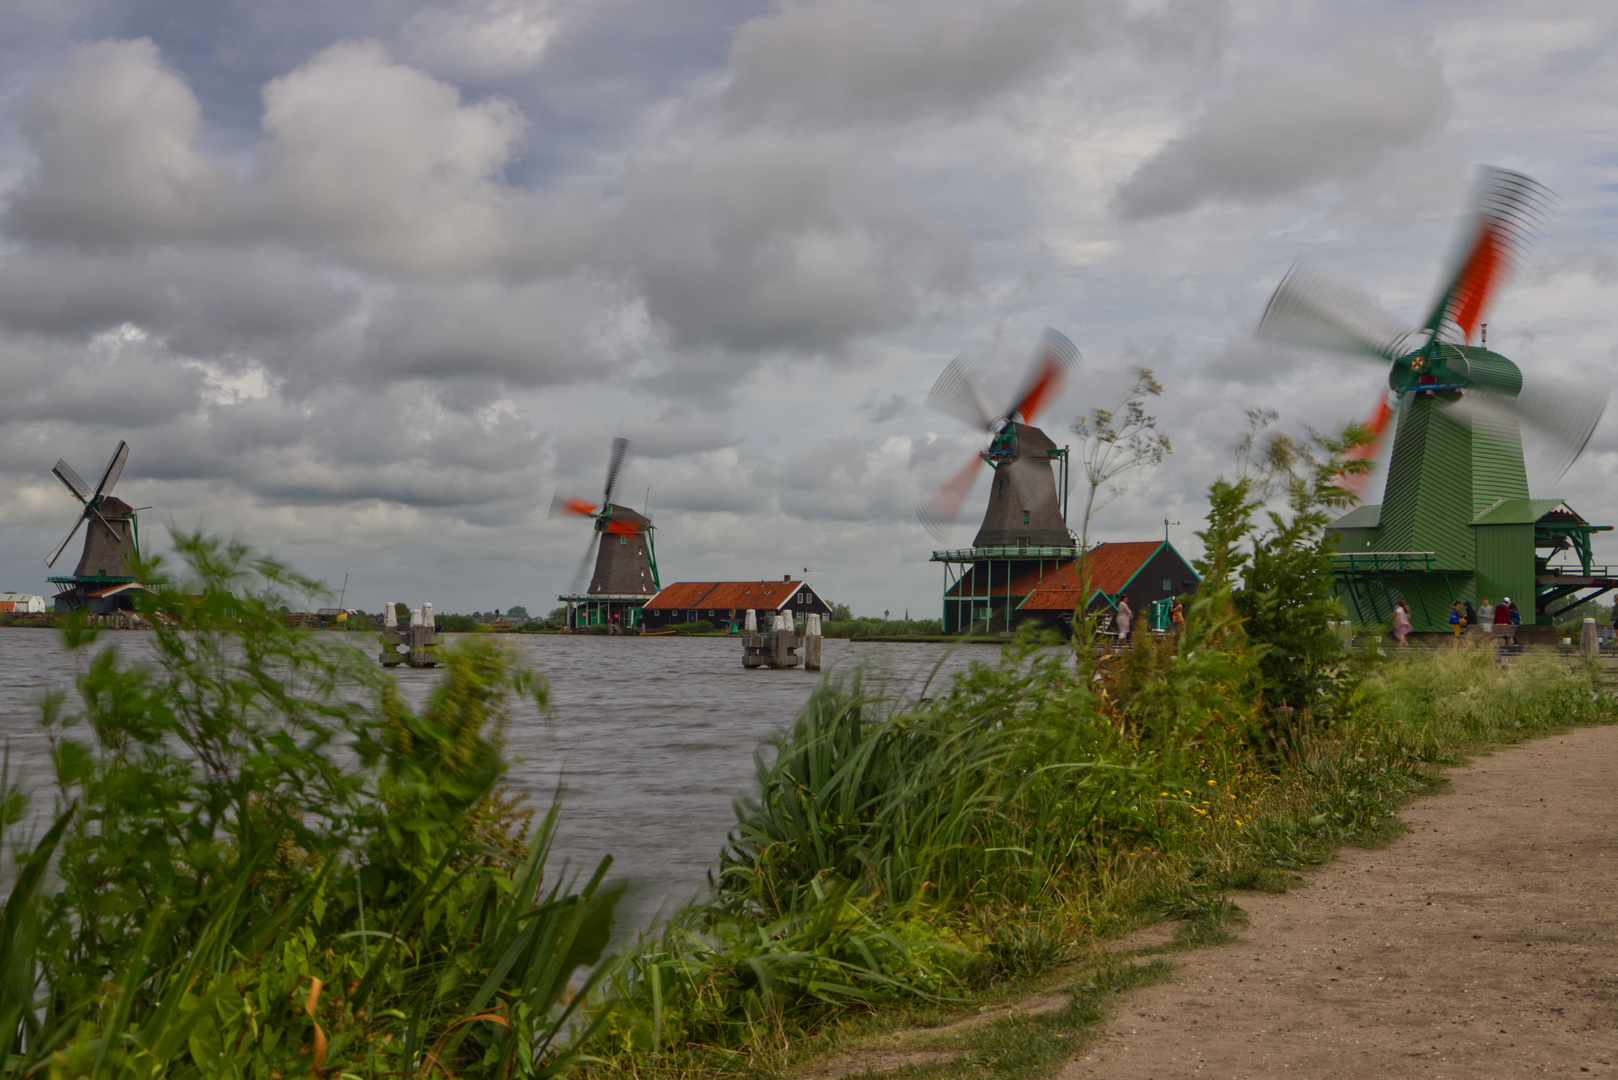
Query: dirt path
(1483, 943)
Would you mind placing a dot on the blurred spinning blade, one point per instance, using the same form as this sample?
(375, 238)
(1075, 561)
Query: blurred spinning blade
(1316, 310)
(939, 510)
(1555, 419)
(562, 507)
(581, 576)
(959, 393)
(1381, 416)
(1509, 209)
(1057, 356)
(615, 468)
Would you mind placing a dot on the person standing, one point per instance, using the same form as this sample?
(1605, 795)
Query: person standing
(1401, 621)
(1485, 617)
(1457, 619)
(1516, 620)
(1502, 620)
(1177, 615)
(1123, 619)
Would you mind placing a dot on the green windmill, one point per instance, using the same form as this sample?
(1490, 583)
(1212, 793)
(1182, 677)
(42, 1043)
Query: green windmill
(1457, 521)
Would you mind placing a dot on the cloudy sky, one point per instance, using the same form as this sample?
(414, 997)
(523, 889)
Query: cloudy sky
(364, 284)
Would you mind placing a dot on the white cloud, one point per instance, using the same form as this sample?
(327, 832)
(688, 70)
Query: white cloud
(481, 39)
(388, 163)
(766, 242)
(115, 136)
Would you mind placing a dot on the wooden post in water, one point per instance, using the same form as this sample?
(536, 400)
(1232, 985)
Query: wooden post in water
(776, 648)
(811, 642)
(1589, 639)
(416, 644)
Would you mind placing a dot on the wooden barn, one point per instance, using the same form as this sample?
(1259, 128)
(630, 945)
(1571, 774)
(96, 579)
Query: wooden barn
(1144, 572)
(725, 603)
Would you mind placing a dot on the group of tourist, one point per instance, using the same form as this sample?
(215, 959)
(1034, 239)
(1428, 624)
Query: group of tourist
(1488, 619)
(1123, 618)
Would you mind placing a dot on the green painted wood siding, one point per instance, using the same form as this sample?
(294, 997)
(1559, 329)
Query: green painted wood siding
(1506, 562)
(1497, 464)
(1427, 505)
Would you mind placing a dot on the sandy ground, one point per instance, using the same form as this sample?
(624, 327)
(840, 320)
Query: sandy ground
(1483, 943)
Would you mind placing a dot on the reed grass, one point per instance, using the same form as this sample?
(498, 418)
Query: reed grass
(910, 855)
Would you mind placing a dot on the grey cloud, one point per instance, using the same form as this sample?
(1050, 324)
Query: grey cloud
(849, 480)
(538, 333)
(881, 411)
(838, 62)
(120, 383)
(762, 242)
(117, 163)
(68, 293)
(1287, 128)
(203, 300)
(676, 436)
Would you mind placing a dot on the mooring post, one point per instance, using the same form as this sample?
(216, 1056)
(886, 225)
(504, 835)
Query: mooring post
(811, 642)
(390, 637)
(752, 642)
(1589, 639)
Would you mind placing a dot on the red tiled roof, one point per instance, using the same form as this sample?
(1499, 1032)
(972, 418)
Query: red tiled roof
(1111, 567)
(726, 595)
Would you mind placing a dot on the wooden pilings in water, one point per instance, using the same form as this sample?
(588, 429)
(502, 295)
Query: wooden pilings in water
(416, 644)
(778, 647)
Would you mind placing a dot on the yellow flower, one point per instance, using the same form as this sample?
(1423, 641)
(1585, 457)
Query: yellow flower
(1213, 783)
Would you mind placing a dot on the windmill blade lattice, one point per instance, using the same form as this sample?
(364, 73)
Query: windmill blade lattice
(71, 480)
(56, 552)
(114, 469)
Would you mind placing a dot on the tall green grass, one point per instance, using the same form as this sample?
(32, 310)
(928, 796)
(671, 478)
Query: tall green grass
(263, 864)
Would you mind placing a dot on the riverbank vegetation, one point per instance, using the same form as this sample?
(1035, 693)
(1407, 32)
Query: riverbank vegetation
(261, 863)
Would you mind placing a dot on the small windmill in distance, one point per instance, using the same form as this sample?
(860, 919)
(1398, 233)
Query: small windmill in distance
(620, 546)
(103, 578)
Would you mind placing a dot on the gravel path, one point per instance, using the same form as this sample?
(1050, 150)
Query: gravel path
(1483, 943)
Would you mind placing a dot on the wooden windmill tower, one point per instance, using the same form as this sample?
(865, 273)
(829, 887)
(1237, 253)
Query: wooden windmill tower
(104, 577)
(1024, 532)
(1456, 520)
(622, 553)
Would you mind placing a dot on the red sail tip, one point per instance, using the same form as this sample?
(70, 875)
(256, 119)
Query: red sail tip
(1479, 278)
(1377, 422)
(580, 507)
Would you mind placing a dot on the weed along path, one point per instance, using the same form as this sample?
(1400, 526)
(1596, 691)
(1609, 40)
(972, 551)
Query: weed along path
(1482, 943)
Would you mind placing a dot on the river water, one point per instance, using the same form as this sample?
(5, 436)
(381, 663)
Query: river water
(650, 739)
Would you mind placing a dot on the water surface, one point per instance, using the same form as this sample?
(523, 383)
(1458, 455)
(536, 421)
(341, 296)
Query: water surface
(650, 739)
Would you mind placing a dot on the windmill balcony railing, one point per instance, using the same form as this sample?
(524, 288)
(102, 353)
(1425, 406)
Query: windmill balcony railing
(1577, 571)
(1384, 562)
(1006, 551)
